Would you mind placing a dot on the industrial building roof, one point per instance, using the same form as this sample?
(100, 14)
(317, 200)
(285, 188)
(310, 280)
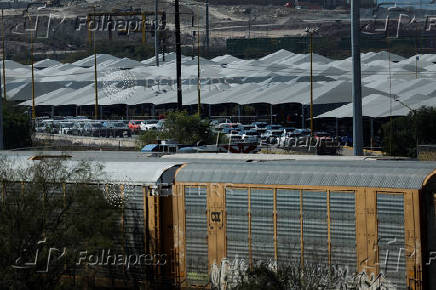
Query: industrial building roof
(281, 77)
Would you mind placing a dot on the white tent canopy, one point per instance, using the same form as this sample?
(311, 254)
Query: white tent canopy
(278, 78)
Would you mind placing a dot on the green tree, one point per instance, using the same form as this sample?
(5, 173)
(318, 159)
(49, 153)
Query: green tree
(17, 126)
(183, 128)
(400, 135)
(149, 137)
(187, 129)
(51, 204)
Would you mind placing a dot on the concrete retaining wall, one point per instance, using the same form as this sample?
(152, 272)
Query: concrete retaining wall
(44, 139)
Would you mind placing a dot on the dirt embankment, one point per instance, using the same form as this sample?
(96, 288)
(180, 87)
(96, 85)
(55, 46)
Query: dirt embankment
(58, 33)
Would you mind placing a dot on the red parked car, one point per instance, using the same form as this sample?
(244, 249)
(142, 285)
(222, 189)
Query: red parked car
(134, 125)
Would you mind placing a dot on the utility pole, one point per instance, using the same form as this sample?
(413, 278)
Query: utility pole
(3, 58)
(95, 76)
(1, 116)
(33, 77)
(156, 32)
(178, 54)
(198, 72)
(311, 31)
(207, 27)
(357, 85)
(249, 24)
(311, 85)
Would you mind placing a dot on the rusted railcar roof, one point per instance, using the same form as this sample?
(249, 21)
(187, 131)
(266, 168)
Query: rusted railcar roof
(357, 173)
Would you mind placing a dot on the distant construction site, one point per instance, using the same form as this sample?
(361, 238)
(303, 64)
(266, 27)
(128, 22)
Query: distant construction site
(246, 30)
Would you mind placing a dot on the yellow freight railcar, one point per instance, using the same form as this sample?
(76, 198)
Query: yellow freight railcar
(368, 216)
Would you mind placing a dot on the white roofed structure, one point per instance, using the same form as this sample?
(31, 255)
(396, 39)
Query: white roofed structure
(278, 78)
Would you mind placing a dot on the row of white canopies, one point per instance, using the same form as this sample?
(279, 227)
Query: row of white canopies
(281, 77)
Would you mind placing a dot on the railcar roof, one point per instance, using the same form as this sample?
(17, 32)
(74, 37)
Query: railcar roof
(269, 169)
(355, 173)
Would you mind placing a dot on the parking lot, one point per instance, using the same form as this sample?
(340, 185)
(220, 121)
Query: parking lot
(258, 133)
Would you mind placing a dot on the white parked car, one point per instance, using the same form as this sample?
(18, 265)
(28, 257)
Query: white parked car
(230, 126)
(271, 136)
(234, 137)
(148, 124)
(66, 127)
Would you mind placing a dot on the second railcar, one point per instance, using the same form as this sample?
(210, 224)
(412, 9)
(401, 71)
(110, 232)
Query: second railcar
(369, 216)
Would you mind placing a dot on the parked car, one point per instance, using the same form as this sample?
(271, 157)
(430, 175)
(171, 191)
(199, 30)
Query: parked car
(260, 127)
(44, 126)
(78, 128)
(233, 126)
(65, 127)
(322, 136)
(246, 127)
(288, 129)
(250, 136)
(135, 125)
(213, 123)
(94, 129)
(271, 136)
(55, 128)
(148, 125)
(160, 124)
(118, 129)
(274, 127)
(234, 137)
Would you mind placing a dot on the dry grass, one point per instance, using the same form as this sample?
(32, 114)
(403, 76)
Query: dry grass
(427, 156)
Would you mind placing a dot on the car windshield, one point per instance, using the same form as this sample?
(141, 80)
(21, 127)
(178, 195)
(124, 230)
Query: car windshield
(250, 133)
(67, 125)
(97, 125)
(261, 125)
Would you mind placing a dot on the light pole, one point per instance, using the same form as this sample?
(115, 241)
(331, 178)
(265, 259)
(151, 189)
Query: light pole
(357, 82)
(413, 111)
(207, 27)
(33, 76)
(156, 32)
(95, 72)
(4, 87)
(3, 58)
(1, 117)
(310, 31)
(198, 72)
(178, 54)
